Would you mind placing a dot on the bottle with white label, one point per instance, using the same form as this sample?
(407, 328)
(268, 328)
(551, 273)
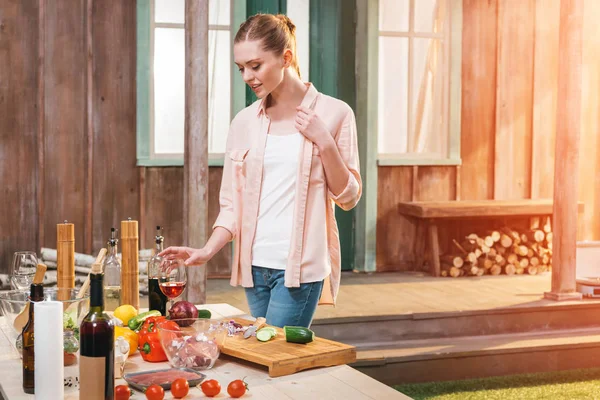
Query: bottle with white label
(97, 353)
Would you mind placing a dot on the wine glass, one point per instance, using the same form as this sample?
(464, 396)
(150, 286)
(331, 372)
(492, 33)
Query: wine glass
(172, 278)
(23, 269)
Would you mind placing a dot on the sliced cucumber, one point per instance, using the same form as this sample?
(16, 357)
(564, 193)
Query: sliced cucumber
(298, 334)
(264, 335)
(204, 314)
(270, 329)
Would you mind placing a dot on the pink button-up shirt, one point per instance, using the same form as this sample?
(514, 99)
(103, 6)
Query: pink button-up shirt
(315, 239)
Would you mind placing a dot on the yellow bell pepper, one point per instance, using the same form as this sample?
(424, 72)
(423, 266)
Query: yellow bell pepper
(130, 336)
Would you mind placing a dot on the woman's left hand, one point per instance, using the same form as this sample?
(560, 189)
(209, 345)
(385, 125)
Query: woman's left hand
(311, 126)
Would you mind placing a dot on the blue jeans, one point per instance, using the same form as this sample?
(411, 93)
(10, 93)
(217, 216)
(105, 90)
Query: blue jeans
(269, 298)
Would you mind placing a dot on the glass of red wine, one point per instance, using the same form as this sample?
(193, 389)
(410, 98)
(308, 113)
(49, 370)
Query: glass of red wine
(172, 278)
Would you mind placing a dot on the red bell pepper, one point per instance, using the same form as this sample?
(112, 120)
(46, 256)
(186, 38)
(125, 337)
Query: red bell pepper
(149, 340)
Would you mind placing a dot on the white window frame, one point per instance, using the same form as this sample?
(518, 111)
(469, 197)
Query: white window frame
(453, 36)
(146, 155)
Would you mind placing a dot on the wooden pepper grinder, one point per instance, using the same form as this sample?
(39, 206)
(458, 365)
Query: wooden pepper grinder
(130, 285)
(65, 258)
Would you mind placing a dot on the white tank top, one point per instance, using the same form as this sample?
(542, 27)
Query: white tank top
(271, 245)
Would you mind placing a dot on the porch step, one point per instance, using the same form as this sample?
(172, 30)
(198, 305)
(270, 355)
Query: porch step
(480, 356)
(371, 330)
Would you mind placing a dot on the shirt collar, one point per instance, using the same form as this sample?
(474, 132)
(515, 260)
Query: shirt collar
(307, 101)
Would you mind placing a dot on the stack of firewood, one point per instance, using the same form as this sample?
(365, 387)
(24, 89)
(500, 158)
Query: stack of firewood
(507, 251)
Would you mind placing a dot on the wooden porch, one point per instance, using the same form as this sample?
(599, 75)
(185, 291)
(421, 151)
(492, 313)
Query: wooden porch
(411, 327)
(405, 293)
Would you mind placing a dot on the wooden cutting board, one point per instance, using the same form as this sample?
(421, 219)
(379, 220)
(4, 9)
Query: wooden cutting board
(283, 358)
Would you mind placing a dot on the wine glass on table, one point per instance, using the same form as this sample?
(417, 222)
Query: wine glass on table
(172, 278)
(23, 269)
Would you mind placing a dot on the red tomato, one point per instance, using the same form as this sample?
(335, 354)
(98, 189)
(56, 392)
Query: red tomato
(155, 392)
(122, 392)
(237, 388)
(180, 388)
(210, 388)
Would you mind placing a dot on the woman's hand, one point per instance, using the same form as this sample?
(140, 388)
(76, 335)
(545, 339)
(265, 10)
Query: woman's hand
(189, 255)
(312, 127)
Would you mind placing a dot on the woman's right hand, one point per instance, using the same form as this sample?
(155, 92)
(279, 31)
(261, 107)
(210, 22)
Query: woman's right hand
(189, 255)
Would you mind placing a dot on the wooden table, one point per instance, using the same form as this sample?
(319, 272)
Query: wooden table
(430, 212)
(340, 382)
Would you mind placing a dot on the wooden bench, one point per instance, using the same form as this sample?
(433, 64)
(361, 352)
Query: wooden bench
(429, 212)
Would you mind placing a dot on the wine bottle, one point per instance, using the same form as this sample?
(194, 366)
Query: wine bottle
(112, 275)
(96, 364)
(36, 294)
(156, 298)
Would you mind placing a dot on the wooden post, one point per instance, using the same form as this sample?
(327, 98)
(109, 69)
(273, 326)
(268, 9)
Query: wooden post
(195, 164)
(434, 248)
(567, 152)
(367, 17)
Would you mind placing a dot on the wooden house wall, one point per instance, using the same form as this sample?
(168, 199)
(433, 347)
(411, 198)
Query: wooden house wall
(68, 121)
(509, 87)
(68, 131)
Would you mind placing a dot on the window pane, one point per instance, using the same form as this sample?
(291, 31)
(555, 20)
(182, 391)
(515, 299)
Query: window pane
(393, 15)
(219, 90)
(169, 79)
(219, 12)
(430, 15)
(393, 94)
(169, 11)
(428, 103)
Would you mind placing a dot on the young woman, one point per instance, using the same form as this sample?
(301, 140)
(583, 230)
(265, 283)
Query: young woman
(290, 156)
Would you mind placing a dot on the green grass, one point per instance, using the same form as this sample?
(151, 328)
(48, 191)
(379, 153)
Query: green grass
(564, 385)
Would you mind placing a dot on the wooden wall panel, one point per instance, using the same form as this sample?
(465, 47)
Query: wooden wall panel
(512, 168)
(395, 233)
(478, 99)
(18, 128)
(64, 135)
(545, 88)
(589, 159)
(115, 180)
(163, 205)
(436, 183)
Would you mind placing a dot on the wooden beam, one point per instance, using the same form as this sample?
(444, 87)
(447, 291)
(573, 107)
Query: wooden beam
(567, 152)
(367, 15)
(195, 156)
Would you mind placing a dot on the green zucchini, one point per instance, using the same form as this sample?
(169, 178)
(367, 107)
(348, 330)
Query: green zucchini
(136, 322)
(204, 314)
(298, 334)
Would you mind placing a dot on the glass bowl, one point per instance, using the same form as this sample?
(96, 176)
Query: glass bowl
(195, 345)
(13, 302)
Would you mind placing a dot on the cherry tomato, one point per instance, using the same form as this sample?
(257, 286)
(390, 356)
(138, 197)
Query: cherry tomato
(180, 388)
(237, 388)
(211, 388)
(122, 392)
(155, 392)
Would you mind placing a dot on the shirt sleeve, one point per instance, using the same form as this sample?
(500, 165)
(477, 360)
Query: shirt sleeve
(347, 144)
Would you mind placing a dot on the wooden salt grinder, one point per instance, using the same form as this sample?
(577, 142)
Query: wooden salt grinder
(65, 258)
(130, 286)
